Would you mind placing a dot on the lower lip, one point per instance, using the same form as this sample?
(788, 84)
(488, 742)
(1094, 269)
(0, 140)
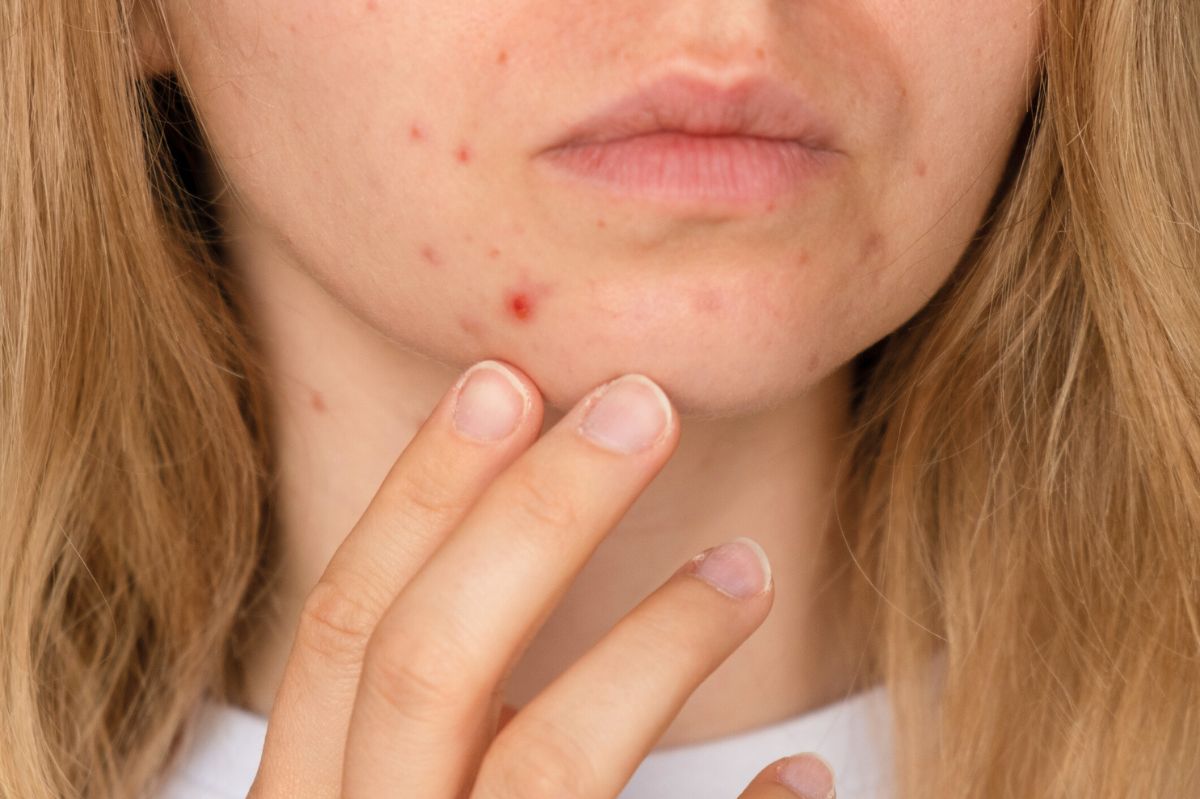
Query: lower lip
(676, 167)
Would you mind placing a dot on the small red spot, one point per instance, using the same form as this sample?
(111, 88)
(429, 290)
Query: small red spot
(372, 5)
(814, 359)
(463, 154)
(292, 27)
(502, 58)
(601, 223)
(771, 206)
(416, 133)
(520, 305)
(430, 255)
(493, 252)
(802, 258)
(760, 53)
(706, 300)
(872, 244)
(921, 168)
(318, 403)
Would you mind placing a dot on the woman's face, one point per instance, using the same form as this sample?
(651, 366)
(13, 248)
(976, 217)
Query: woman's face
(400, 152)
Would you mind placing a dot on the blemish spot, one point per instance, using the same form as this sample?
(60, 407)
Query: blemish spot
(814, 360)
(317, 402)
(493, 252)
(520, 305)
(502, 57)
(372, 5)
(706, 300)
(802, 258)
(760, 54)
(463, 154)
(871, 245)
(770, 206)
(469, 325)
(519, 229)
(291, 27)
(521, 300)
(430, 255)
(600, 223)
(921, 168)
(416, 132)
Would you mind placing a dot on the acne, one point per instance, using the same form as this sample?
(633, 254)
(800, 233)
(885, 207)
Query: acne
(471, 325)
(493, 252)
(814, 360)
(802, 258)
(502, 57)
(522, 300)
(372, 6)
(920, 168)
(431, 255)
(600, 223)
(871, 246)
(317, 402)
(463, 154)
(760, 54)
(416, 132)
(707, 301)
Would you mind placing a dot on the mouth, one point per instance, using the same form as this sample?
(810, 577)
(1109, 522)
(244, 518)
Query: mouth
(683, 139)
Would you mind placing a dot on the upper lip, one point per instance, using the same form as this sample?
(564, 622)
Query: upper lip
(755, 106)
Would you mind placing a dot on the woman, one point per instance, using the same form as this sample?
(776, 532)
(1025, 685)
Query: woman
(906, 295)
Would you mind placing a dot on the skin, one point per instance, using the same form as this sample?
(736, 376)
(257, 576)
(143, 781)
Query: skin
(391, 223)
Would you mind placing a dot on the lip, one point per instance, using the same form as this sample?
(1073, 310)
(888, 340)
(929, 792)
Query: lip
(685, 139)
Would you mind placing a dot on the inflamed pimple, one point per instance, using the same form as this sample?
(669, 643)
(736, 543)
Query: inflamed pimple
(921, 168)
(463, 154)
(502, 57)
(416, 132)
(372, 5)
(317, 402)
(493, 252)
(520, 305)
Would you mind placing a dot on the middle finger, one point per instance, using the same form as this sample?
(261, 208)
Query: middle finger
(432, 668)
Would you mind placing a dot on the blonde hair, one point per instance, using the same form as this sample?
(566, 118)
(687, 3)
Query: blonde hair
(1022, 493)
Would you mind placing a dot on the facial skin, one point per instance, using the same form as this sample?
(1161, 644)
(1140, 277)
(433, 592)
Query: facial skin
(395, 224)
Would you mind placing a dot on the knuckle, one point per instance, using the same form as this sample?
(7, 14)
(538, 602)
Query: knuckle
(534, 501)
(542, 762)
(425, 494)
(333, 624)
(420, 679)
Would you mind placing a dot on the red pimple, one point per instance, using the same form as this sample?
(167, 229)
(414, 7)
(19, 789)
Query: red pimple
(520, 305)
(921, 168)
(601, 223)
(493, 252)
(430, 255)
(760, 53)
(463, 154)
(372, 5)
(502, 57)
(802, 258)
(317, 403)
(416, 133)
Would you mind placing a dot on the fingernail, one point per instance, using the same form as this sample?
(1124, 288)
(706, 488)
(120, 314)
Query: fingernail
(738, 568)
(490, 403)
(626, 415)
(808, 775)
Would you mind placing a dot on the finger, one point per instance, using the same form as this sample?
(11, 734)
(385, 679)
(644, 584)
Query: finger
(806, 775)
(430, 676)
(585, 734)
(428, 490)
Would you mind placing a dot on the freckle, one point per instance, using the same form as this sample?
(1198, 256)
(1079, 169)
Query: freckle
(463, 154)
(416, 133)
(502, 58)
(318, 403)
(493, 252)
(430, 255)
(921, 168)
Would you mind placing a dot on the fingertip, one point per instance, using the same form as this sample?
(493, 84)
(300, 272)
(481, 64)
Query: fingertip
(808, 775)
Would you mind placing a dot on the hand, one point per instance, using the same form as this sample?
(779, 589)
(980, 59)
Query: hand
(393, 684)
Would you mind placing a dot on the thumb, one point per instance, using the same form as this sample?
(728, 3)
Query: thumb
(806, 775)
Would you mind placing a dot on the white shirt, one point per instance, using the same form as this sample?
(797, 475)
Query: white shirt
(853, 734)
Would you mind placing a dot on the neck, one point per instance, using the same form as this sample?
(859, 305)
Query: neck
(347, 401)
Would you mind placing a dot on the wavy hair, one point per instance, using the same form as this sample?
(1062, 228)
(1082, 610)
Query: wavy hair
(1020, 500)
